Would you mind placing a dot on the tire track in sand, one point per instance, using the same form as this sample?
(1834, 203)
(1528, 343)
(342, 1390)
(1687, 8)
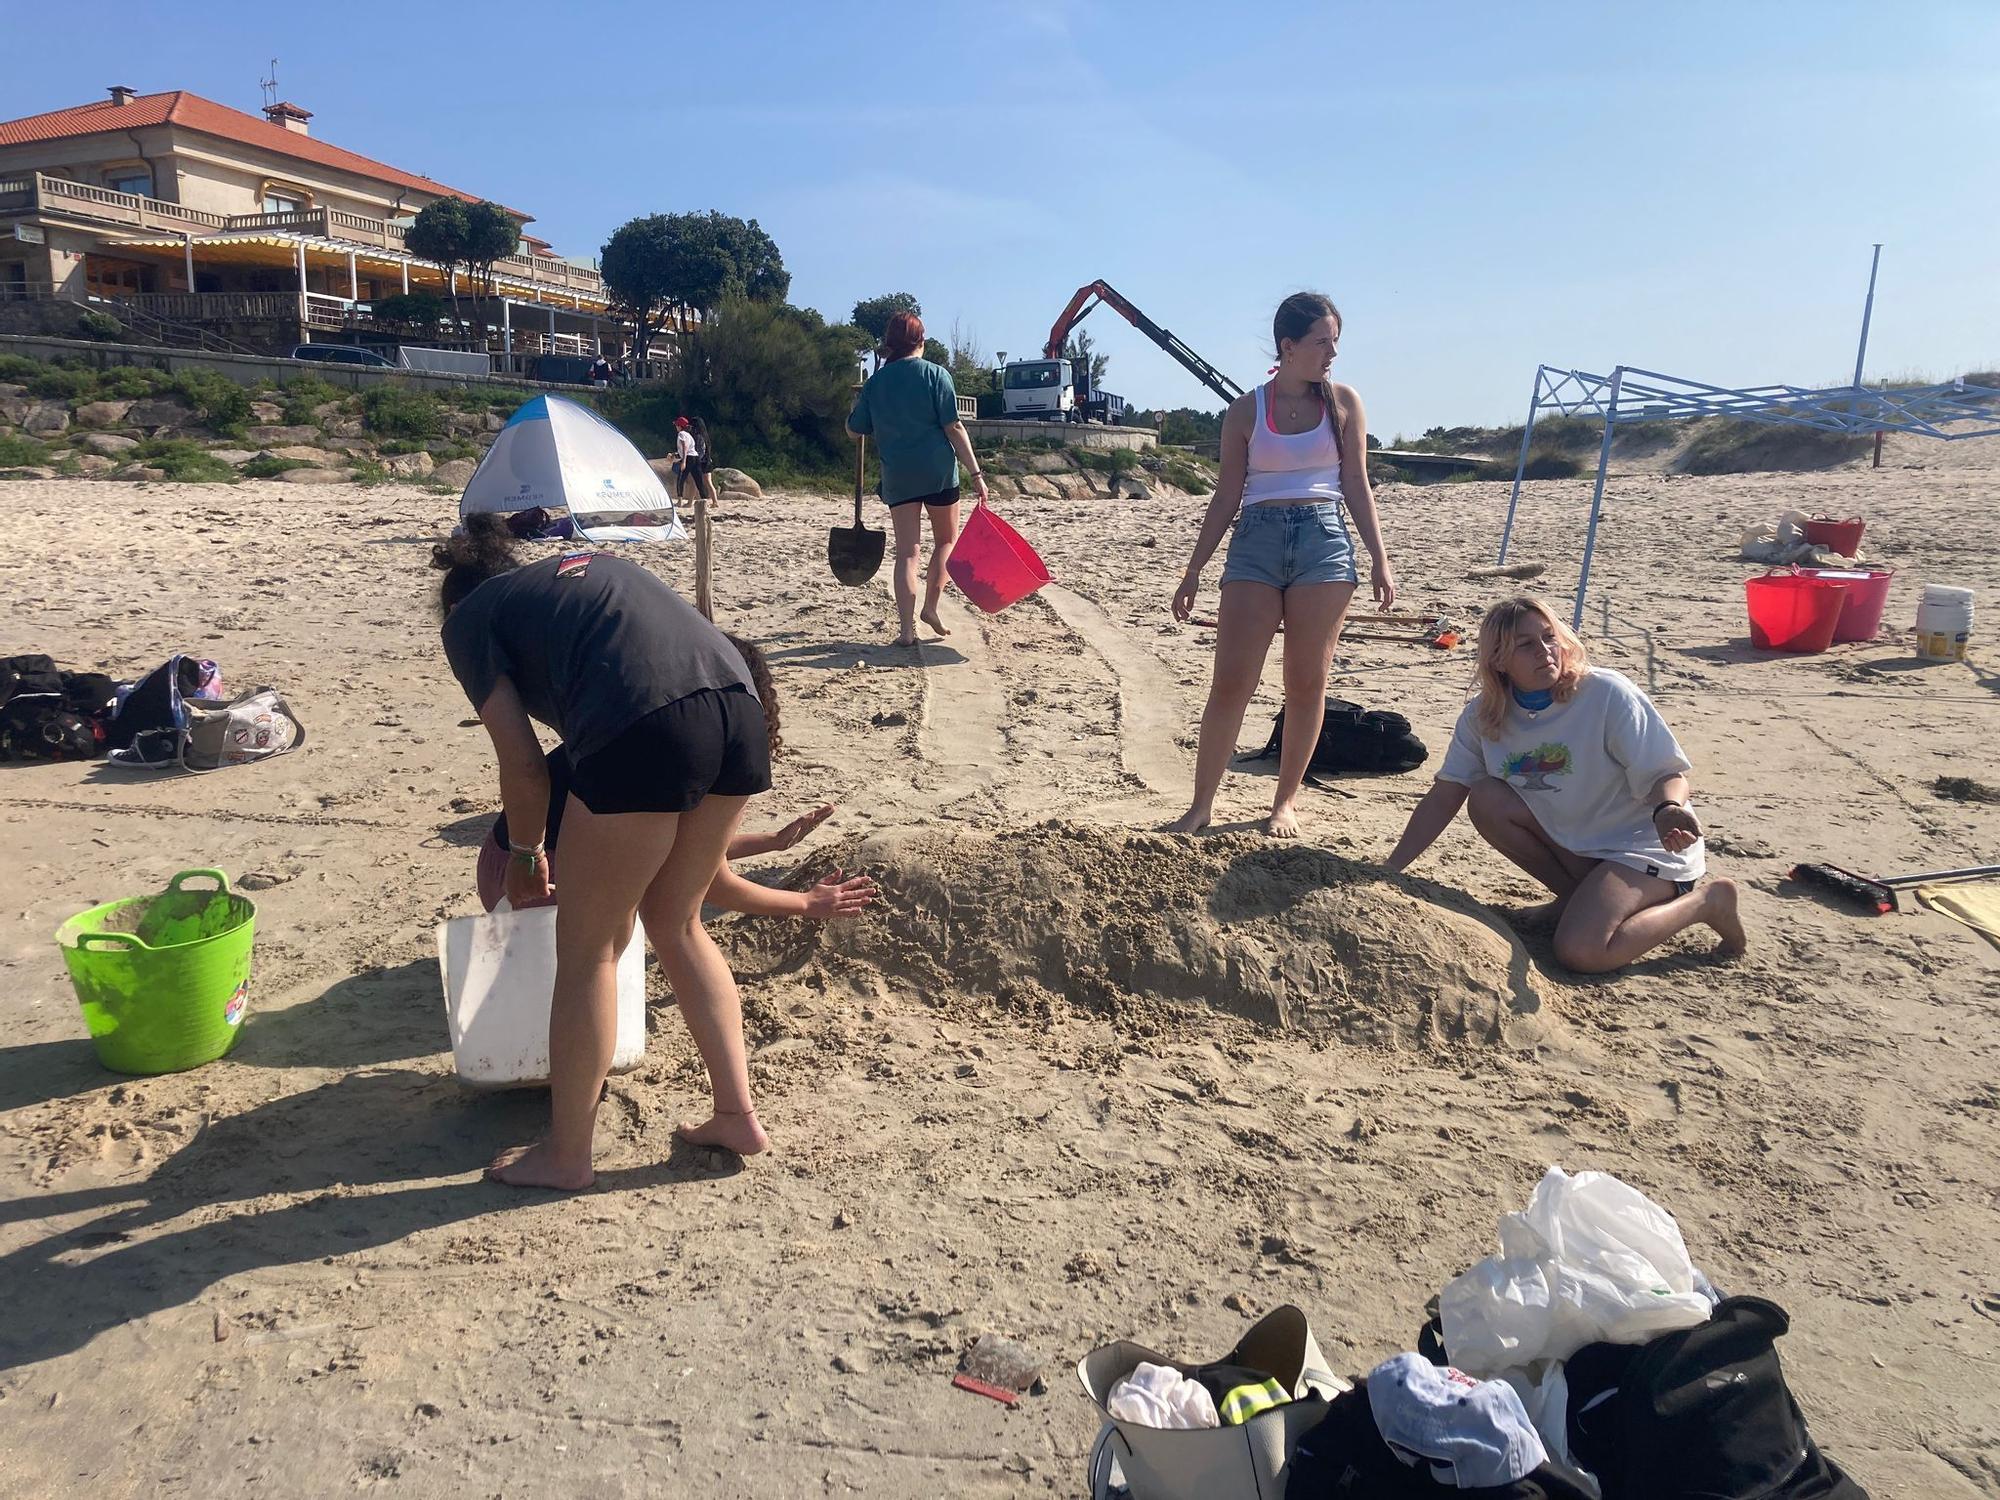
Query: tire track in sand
(1148, 721)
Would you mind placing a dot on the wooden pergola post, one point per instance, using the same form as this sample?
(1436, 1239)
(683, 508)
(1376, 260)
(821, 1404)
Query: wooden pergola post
(704, 559)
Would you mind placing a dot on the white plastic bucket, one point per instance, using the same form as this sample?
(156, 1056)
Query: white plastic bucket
(499, 979)
(1944, 622)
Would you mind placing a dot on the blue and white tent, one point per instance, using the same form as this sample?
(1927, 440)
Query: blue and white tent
(559, 455)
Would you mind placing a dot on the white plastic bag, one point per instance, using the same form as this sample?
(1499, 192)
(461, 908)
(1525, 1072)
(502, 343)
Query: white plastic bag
(1589, 1260)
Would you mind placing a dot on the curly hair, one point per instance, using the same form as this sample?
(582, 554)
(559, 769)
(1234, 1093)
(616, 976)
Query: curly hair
(482, 548)
(767, 690)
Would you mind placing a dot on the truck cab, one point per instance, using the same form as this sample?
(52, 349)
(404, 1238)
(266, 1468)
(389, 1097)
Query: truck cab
(1037, 390)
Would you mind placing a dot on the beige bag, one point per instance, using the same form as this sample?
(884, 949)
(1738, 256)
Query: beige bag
(1245, 1462)
(251, 726)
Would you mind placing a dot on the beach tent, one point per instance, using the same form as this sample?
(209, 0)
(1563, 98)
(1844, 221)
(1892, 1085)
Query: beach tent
(557, 454)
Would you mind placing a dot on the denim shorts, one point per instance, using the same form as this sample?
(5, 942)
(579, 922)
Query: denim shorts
(1281, 545)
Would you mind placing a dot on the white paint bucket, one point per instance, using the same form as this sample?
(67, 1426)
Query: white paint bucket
(1944, 622)
(499, 979)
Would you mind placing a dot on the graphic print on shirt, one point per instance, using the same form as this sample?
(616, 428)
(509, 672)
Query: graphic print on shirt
(1535, 767)
(574, 564)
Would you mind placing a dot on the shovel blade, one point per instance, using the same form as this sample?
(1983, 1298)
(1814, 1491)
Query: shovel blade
(854, 553)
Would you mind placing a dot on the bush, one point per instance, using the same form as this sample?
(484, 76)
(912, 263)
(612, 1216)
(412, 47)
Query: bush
(1186, 474)
(16, 451)
(1105, 460)
(130, 383)
(16, 369)
(184, 461)
(265, 466)
(92, 324)
(398, 411)
(222, 404)
(774, 391)
(1547, 463)
(1730, 445)
(367, 471)
(302, 395)
(65, 382)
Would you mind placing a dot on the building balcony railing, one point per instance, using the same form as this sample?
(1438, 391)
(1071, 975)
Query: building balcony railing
(39, 191)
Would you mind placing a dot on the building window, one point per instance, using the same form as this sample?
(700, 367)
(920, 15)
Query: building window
(137, 181)
(281, 198)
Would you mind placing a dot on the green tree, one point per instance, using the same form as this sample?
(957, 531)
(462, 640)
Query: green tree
(874, 313)
(676, 268)
(1083, 355)
(459, 235)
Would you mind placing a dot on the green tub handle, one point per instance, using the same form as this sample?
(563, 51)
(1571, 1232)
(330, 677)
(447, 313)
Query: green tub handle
(221, 880)
(123, 941)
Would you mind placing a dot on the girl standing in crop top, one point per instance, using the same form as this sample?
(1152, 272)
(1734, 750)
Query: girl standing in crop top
(1294, 457)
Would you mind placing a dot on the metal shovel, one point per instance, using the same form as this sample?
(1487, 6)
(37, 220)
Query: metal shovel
(855, 552)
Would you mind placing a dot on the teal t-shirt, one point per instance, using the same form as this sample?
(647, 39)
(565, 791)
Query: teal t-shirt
(906, 406)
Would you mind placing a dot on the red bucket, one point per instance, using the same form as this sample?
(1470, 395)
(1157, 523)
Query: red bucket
(1835, 535)
(1867, 595)
(1790, 612)
(991, 565)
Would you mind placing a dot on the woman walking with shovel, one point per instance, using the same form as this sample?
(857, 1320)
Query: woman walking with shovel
(910, 407)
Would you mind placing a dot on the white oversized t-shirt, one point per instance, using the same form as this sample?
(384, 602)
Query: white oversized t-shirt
(1587, 769)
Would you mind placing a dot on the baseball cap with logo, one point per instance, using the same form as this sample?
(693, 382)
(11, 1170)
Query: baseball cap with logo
(1470, 1432)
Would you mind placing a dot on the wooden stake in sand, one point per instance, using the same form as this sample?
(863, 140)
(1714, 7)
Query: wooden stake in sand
(704, 561)
(1521, 572)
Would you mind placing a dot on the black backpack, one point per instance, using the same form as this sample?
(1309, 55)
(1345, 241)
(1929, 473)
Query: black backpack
(1701, 1412)
(151, 721)
(1355, 739)
(50, 715)
(30, 673)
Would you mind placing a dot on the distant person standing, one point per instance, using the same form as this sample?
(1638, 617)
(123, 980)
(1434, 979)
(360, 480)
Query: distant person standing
(700, 461)
(600, 372)
(910, 407)
(683, 455)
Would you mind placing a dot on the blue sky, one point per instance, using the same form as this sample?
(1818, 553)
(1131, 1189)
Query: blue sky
(1692, 188)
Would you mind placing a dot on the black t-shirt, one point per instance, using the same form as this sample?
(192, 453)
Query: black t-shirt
(592, 643)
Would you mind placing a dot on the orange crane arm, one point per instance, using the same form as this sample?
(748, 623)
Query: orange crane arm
(1081, 306)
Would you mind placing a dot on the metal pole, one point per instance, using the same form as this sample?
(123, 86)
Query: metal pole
(507, 326)
(1597, 496)
(302, 285)
(187, 247)
(1867, 311)
(353, 280)
(1527, 432)
(406, 278)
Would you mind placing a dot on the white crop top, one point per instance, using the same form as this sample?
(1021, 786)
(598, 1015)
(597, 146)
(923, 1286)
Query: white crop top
(1292, 468)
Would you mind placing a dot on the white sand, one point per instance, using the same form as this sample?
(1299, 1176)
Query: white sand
(281, 1274)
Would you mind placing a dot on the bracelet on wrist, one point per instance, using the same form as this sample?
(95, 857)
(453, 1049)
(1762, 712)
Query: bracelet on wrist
(1662, 807)
(527, 854)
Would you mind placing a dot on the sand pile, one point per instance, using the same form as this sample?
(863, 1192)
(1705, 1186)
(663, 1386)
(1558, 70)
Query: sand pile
(1155, 929)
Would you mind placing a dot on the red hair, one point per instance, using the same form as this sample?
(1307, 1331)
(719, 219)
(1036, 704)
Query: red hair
(904, 336)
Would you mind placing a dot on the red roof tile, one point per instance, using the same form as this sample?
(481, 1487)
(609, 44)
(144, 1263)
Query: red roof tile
(191, 111)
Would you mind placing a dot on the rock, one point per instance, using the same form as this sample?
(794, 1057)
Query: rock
(738, 499)
(266, 411)
(232, 456)
(46, 420)
(28, 471)
(109, 444)
(1049, 463)
(350, 446)
(1133, 489)
(664, 467)
(325, 409)
(348, 427)
(463, 423)
(1037, 487)
(9, 390)
(457, 473)
(854, 1363)
(1000, 486)
(90, 465)
(273, 437)
(102, 413)
(494, 421)
(736, 479)
(157, 412)
(142, 471)
(314, 476)
(409, 465)
(262, 880)
(1004, 1362)
(14, 409)
(304, 455)
(1239, 1303)
(893, 718)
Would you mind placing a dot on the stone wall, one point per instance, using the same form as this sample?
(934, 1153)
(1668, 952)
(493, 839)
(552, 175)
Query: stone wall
(1069, 434)
(249, 369)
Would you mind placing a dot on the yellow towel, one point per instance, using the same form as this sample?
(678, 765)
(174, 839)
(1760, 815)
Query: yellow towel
(1976, 904)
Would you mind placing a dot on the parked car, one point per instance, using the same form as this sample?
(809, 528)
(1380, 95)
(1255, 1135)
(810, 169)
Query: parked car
(560, 369)
(341, 354)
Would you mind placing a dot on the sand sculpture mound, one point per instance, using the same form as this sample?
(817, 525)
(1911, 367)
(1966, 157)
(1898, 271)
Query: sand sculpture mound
(1148, 926)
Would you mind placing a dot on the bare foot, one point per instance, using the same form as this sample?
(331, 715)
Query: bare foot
(1542, 918)
(930, 618)
(728, 1131)
(1283, 822)
(907, 640)
(1719, 912)
(536, 1166)
(1191, 821)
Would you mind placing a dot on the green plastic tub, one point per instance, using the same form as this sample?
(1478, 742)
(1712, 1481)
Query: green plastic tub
(163, 980)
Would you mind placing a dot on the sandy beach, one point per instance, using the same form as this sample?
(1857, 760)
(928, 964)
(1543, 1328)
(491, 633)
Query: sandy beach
(1072, 1081)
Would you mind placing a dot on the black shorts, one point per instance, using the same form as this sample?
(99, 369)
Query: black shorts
(712, 741)
(942, 497)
